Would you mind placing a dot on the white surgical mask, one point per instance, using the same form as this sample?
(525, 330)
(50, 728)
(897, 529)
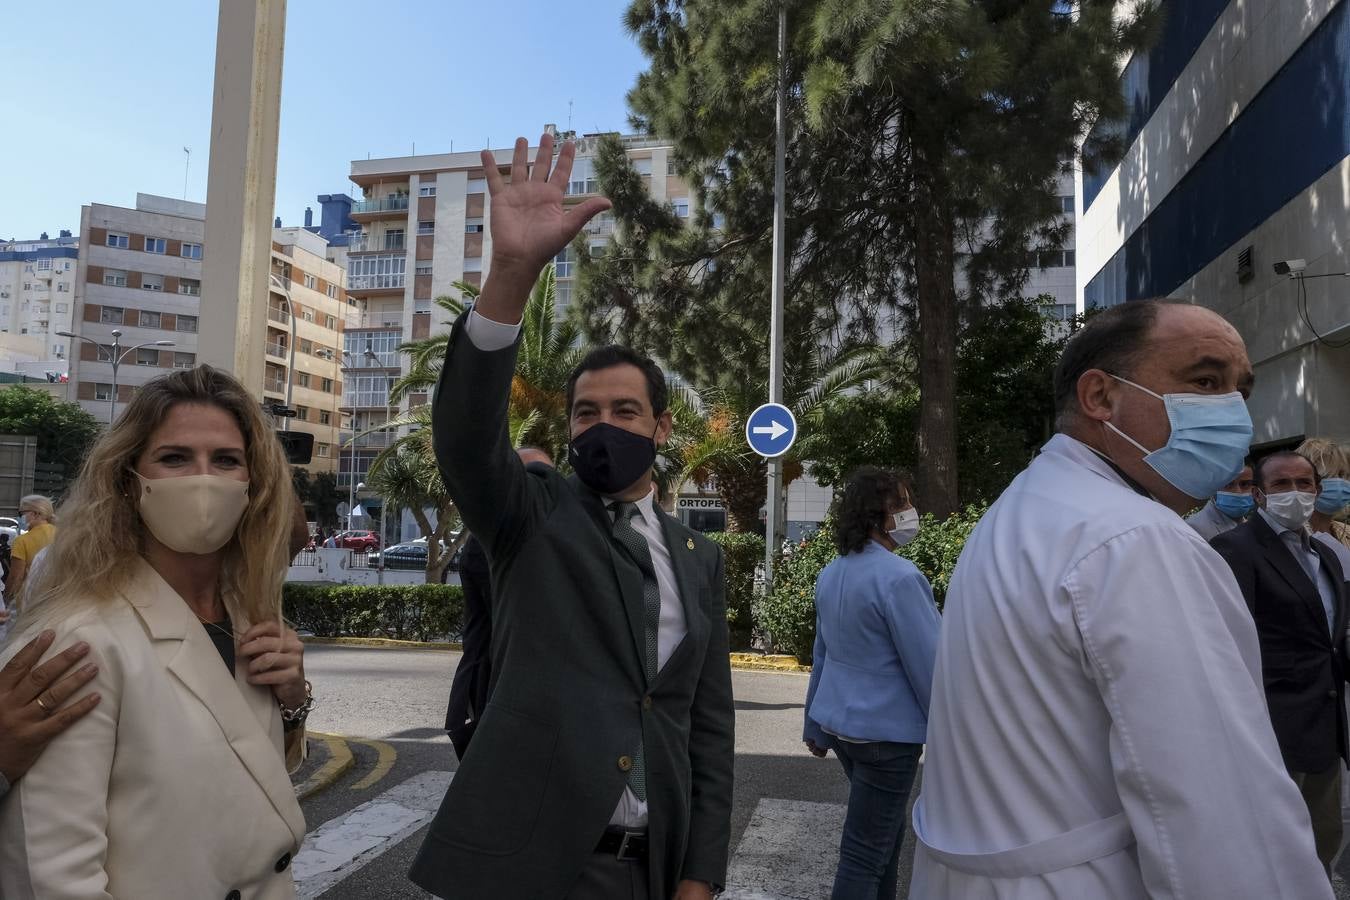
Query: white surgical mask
(906, 526)
(1292, 509)
(193, 513)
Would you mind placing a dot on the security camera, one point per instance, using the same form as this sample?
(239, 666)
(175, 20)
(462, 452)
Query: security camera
(1290, 266)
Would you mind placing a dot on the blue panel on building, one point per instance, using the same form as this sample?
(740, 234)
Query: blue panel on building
(1292, 133)
(41, 253)
(1148, 77)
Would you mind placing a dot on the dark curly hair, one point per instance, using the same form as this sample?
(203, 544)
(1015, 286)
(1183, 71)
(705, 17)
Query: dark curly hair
(869, 496)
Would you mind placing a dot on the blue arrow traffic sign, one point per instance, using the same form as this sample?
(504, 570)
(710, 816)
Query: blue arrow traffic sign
(770, 430)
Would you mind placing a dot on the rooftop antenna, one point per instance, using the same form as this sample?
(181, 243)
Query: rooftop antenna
(569, 115)
(414, 153)
(187, 164)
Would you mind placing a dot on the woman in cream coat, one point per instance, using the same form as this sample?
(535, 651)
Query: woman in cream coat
(170, 568)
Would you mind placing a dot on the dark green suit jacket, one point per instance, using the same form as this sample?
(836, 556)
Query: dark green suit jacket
(569, 695)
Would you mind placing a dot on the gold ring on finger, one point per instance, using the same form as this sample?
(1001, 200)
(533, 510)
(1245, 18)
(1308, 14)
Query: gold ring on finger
(46, 710)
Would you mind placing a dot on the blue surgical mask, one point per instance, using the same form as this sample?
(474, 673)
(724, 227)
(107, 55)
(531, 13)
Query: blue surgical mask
(1335, 495)
(1211, 436)
(1234, 505)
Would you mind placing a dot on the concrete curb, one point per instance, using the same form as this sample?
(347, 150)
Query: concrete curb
(754, 662)
(340, 760)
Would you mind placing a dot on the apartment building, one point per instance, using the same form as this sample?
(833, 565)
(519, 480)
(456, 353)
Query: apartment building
(37, 299)
(138, 300)
(1238, 158)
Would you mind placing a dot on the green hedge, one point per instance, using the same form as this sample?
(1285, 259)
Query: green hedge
(788, 614)
(743, 553)
(417, 612)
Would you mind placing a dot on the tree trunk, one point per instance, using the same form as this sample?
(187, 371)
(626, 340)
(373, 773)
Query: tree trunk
(935, 245)
(743, 492)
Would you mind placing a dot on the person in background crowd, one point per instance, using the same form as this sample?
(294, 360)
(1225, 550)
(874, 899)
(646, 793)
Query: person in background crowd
(1295, 588)
(602, 768)
(39, 517)
(1227, 509)
(4, 556)
(1098, 725)
(871, 675)
(469, 689)
(1333, 467)
(169, 567)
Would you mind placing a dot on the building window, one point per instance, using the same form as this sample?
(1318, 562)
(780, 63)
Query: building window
(1069, 257)
(423, 268)
(120, 241)
(63, 307)
(311, 282)
(105, 352)
(44, 265)
(191, 251)
(583, 177)
(321, 449)
(681, 205)
(425, 227)
(155, 245)
(562, 263)
(426, 190)
(306, 346)
(326, 385)
(307, 315)
(102, 391)
(393, 239)
(643, 167)
(147, 356)
(325, 418)
(111, 277)
(1066, 204)
(473, 264)
(184, 360)
(473, 225)
(152, 282)
(303, 379)
(302, 413)
(111, 315)
(187, 323)
(62, 287)
(28, 285)
(149, 319)
(332, 292)
(670, 166)
(190, 286)
(476, 186)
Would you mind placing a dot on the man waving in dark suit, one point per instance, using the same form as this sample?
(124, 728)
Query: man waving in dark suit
(602, 765)
(1293, 584)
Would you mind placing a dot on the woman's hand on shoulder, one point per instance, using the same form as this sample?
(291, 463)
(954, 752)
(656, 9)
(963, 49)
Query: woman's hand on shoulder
(276, 660)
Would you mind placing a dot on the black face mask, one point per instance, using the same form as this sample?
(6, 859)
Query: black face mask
(608, 459)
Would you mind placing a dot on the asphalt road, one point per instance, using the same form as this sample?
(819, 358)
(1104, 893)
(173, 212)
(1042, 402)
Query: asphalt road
(389, 706)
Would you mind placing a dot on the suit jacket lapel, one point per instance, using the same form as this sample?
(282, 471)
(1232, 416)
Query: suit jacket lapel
(684, 561)
(1282, 559)
(626, 571)
(243, 712)
(1336, 576)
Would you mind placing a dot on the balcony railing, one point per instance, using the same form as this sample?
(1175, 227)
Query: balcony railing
(375, 282)
(366, 243)
(366, 400)
(275, 385)
(278, 315)
(384, 204)
(380, 320)
(276, 349)
(375, 441)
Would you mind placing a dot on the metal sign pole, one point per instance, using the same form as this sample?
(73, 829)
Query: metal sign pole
(774, 499)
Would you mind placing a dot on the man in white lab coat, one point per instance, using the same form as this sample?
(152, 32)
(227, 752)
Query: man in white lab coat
(1098, 727)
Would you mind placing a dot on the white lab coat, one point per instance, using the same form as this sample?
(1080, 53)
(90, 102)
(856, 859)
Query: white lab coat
(1098, 725)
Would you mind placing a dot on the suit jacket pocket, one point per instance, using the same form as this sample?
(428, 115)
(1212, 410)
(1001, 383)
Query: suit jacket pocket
(495, 798)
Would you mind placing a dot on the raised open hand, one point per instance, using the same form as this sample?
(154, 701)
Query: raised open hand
(530, 225)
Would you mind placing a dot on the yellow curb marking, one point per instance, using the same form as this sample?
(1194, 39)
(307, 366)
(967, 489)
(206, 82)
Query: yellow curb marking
(385, 762)
(340, 759)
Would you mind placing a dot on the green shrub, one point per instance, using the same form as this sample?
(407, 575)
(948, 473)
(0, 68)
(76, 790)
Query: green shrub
(788, 614)
(417, 612)
(743, 553)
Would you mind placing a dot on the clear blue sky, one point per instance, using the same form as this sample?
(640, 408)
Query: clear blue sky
(97, 101)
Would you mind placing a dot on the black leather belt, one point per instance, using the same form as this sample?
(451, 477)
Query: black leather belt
(625, 845)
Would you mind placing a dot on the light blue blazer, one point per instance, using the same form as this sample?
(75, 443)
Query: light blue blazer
(876, 642)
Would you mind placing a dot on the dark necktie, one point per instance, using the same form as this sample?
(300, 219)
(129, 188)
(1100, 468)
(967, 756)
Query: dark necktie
(637, 548)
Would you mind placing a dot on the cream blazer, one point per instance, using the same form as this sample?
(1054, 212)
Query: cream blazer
(174, 787)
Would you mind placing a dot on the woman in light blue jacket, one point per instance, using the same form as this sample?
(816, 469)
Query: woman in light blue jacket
(871, 676)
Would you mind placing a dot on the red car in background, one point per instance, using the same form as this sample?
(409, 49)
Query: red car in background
(361, 541)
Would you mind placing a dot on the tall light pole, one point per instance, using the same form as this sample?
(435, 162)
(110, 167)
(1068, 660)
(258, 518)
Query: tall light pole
(374, 359)
(118, 354)
(347, 360)
(774, 507)
(290, 366)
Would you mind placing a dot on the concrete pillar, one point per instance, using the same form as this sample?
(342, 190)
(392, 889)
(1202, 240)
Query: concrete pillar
(241, 190)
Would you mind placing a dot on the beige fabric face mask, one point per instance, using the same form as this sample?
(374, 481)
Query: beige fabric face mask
(193, 513)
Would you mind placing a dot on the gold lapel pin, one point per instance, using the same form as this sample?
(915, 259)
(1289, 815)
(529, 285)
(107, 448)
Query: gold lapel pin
(689, 543)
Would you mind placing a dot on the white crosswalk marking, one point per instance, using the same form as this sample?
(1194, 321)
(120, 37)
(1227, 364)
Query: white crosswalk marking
(343, 845)
(789, 851)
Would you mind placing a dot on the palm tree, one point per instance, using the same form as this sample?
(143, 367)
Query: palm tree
(708, 444)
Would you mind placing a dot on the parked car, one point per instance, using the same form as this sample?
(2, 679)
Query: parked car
(408, 555)
(361, 541)
(10, 527)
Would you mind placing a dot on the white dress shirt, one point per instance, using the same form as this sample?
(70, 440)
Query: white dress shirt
(631, 812)
(1298, 544)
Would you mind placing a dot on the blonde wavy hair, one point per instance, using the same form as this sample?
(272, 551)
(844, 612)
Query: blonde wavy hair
(1328, 457)
(97, 550)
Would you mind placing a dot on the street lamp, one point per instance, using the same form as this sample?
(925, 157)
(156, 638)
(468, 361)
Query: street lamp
(118, 354)
(280, 288)
(351, 474)
(374, 359)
